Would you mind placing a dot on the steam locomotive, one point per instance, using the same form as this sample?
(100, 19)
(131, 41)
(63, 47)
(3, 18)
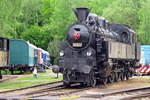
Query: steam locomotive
(97, 51)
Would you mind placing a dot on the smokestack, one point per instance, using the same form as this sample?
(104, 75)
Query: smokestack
(81, 14)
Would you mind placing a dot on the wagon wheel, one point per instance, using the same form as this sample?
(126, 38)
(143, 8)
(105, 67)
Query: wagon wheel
(12, 71)
(111, 78)
(116, 77)
(1, 75)
(92, 79)
(104, 80)
(122, 76)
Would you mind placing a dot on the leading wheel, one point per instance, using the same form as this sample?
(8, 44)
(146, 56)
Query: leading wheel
(92, 79)
(93, 82)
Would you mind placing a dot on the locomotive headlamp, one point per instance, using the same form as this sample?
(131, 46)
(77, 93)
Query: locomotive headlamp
(61, 53)
(89, 53)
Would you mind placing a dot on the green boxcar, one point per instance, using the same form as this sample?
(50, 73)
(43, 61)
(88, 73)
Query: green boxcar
(22, 53)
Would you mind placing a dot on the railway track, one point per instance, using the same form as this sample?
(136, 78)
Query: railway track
(31, 88)
(1, 81)
(122, 94)
(43, 92)
(52, 89)
(137, 95)
(7, 79)
(60, 90)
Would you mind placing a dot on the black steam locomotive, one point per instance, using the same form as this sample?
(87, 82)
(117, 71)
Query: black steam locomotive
(96, 51)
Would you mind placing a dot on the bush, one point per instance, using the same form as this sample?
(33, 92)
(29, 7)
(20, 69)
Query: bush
(53, 49)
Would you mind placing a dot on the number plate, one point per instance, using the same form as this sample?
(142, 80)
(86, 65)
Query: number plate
(77, 44)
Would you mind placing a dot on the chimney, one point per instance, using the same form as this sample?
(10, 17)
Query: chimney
(81, 14)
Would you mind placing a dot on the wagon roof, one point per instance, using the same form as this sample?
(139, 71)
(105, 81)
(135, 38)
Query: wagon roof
(3, 38)
(31, 45)
(43, 51)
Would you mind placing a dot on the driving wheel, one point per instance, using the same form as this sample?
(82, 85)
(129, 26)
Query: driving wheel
(116, 77)
(104, 80)
(111, 78)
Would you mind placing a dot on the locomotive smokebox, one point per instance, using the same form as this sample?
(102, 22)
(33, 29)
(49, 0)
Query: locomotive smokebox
(81, 14)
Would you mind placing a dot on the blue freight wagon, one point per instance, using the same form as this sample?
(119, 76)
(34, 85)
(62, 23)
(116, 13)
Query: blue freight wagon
(43, 58)
(145, 54)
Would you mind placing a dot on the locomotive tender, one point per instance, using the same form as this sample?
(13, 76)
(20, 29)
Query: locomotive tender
(96, 51)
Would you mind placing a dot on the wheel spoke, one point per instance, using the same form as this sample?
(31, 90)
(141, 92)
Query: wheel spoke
(116, 77)
(119, 76)
(127, 75)
(122, 76)
(104, 80)
(111, 78)
(92, 79)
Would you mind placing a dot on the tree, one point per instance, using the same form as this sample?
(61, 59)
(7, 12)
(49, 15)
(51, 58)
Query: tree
(97, 6)
(123, 12)
(8, 17)
(144, 26)
(43, 22)
(53, 50)
(37, 35)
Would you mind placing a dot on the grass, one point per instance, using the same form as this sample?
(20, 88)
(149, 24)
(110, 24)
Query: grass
(9, 73)
(28, 80)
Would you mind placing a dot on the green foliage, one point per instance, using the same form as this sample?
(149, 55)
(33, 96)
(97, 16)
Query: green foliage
(123, 12)
(53, 49)
(37, 35)
(144, 26)
(97, 6)
(44, 22)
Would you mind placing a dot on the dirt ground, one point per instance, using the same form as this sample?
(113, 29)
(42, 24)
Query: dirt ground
(9, 77)
(134, 82)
